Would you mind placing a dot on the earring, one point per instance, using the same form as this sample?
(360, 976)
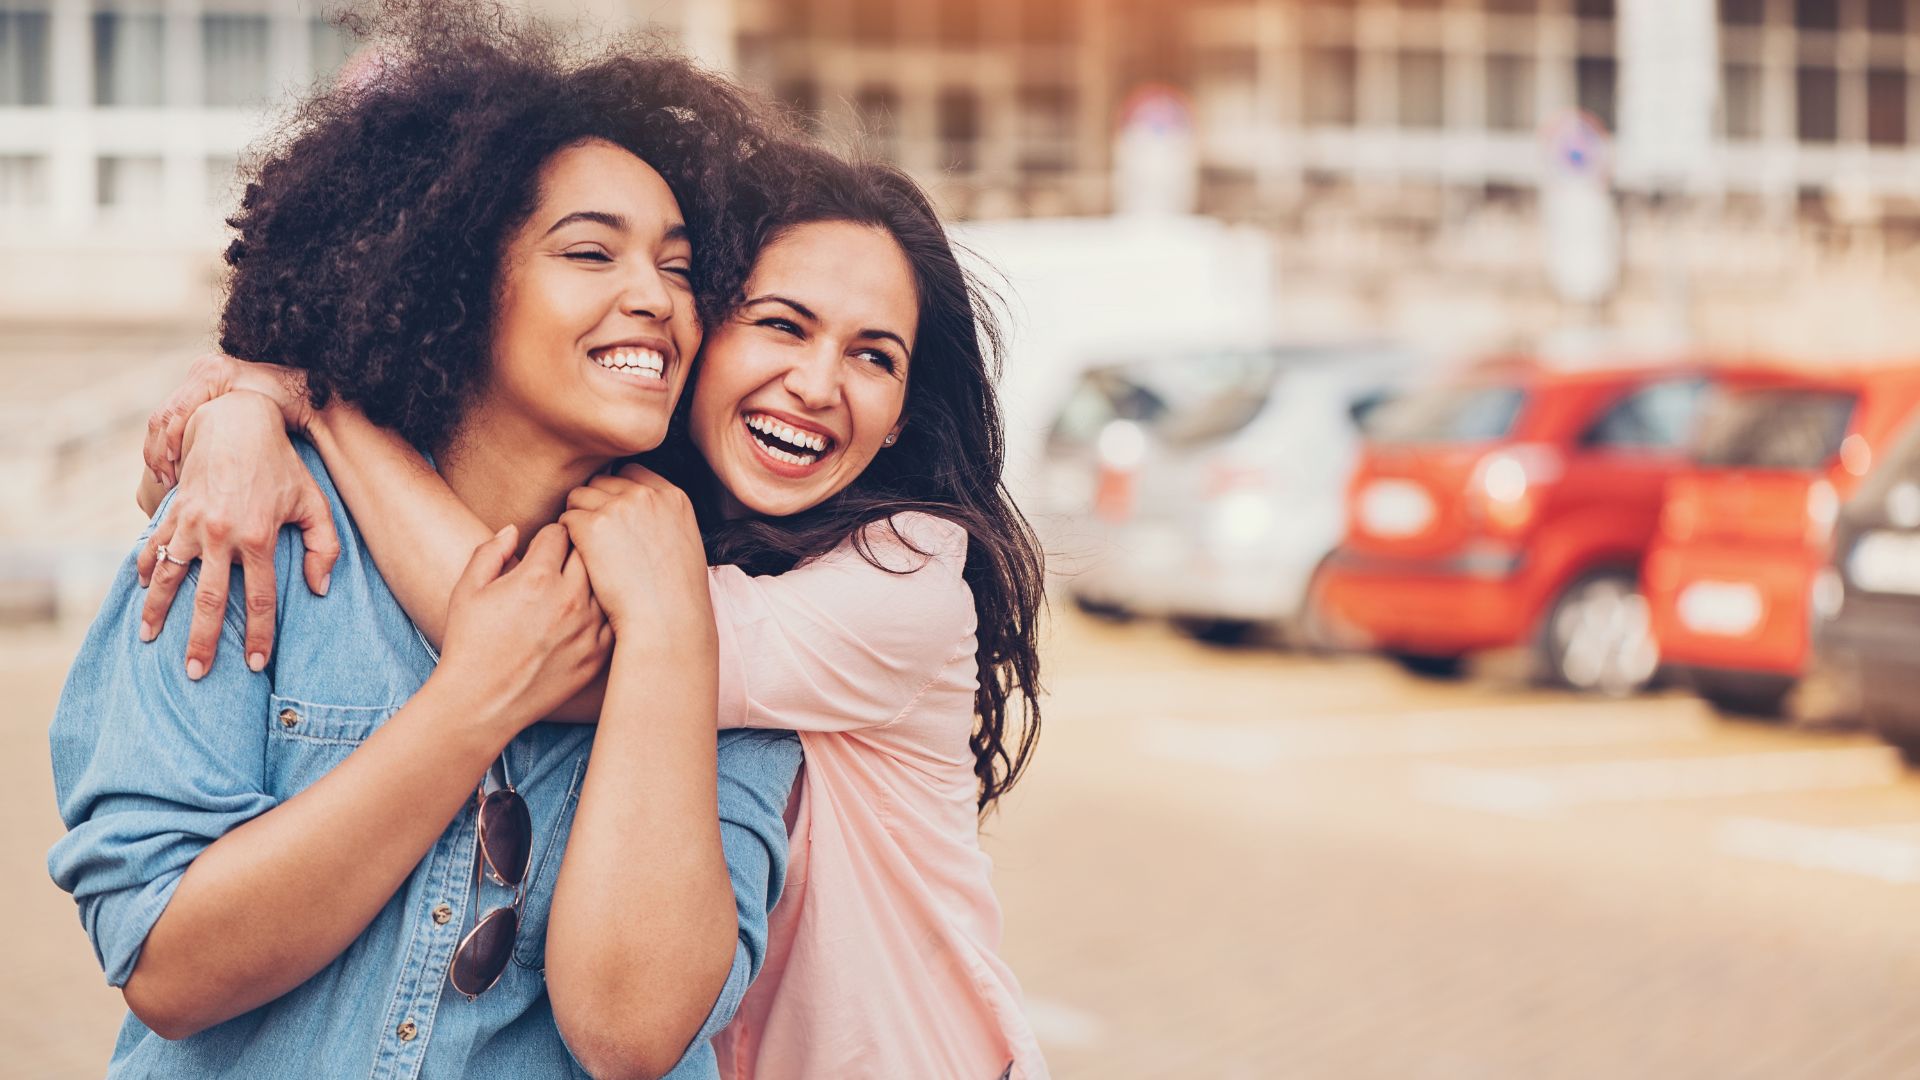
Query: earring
(888, 441)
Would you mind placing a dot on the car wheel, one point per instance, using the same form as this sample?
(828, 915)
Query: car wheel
(1216, 631)
(1597, 636)
(1741, 694)
(1100, 609)
(1429, 666)
(1892, 715)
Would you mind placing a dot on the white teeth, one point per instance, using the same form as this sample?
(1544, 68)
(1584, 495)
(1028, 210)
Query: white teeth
(785, 433)
(643, 362)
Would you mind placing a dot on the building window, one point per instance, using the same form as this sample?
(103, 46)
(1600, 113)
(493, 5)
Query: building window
(233, 53)
(1593, 82)
(1510, 93)
(1740, 101)
(1332, 90)
(1046, 128)
(1887, 15)
(1817, 104)
(1743, 12)
(878, 108)
(1887, 107)
(129, 183)
(803, 97)
(223, 183)
(23, 181)
(1423, 89)
(959, 127)
(23, 57)
(129, 53)
(1816, 14)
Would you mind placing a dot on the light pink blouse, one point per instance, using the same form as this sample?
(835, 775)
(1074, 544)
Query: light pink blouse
(883, 953)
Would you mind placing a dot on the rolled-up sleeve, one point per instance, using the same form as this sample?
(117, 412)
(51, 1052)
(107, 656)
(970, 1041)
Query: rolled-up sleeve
(757, 771)
(150, 767)
(841, 643)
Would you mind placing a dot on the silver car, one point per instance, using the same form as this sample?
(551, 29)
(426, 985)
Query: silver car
(1208, 488)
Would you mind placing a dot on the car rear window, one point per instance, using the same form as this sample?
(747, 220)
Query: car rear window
(1182, 399)
(1448, 414)
(1773, 429)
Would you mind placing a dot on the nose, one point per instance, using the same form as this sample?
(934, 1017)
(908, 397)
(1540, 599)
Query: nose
(814, 378)
(644, 294)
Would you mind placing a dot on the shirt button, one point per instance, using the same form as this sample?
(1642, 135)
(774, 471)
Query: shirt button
(288, 717)
(442, 914)
(407, 1031)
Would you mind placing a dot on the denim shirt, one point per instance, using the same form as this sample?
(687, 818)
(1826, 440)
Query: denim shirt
(150, 768)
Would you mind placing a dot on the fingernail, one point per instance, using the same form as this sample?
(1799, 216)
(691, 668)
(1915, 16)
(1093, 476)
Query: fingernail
(326, 583)
(195, 669)
(143, 582)
(146, 631)
(169, 453)
(257, 661)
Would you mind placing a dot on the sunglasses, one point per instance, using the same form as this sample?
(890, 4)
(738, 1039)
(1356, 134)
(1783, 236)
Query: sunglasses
(506, 842)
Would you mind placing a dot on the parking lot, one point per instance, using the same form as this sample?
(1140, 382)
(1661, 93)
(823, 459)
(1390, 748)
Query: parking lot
(1242, 863)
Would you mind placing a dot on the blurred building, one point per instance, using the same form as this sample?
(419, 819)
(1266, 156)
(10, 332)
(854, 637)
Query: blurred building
(1394, 146)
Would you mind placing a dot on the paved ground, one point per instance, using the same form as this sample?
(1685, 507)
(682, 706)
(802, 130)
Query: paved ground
(1244, 864)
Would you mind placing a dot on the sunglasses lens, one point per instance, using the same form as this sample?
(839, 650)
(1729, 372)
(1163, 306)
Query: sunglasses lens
(506, 835)
(481, 958)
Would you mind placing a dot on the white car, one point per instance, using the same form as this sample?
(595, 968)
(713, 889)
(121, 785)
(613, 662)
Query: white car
(1208, 488)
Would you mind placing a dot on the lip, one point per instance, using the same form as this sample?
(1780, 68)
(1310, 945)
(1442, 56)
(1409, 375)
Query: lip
(784, 469)
(661, 345)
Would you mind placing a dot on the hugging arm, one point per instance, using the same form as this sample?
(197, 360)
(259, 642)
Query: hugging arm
(240, 479)
(205, 896)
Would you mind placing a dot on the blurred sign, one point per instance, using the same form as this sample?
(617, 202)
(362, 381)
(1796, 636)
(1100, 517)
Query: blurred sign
(1580, 225)
(1156, 157)
(1670, 79)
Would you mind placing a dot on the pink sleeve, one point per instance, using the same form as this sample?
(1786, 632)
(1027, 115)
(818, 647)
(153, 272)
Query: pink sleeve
(838, 644)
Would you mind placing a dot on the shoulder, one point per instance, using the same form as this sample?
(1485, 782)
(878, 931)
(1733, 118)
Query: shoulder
(914, 540)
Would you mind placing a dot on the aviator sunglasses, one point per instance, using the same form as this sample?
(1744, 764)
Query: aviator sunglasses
(506, 842)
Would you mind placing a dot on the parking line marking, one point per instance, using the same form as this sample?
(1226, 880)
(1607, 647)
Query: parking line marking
(1879, 852)
(1435, 731)
(1540, 791)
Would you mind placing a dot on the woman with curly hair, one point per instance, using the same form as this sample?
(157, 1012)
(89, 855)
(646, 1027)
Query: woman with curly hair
(873, 589)
(349, 858)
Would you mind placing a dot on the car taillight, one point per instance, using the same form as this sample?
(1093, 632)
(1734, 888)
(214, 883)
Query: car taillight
(1508, 484)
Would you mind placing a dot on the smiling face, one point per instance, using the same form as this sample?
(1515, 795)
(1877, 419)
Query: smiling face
(801, 387)
(596, 327)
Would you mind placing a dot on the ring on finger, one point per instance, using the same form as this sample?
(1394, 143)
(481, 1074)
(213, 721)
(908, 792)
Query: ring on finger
(166, 556)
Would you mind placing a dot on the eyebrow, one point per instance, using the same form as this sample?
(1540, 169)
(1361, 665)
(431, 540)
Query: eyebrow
(617, 222)
(807, 313)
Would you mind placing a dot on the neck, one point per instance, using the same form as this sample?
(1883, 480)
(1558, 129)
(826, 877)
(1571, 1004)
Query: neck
(509, 480)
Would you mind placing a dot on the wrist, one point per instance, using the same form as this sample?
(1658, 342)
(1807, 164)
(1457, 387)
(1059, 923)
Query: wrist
(469, 713)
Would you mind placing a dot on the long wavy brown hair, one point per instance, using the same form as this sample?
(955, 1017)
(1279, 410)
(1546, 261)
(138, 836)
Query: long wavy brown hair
(949, 459)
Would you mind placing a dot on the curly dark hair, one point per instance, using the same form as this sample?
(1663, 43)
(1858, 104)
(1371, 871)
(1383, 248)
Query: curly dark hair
(370, 238)
(949, 461)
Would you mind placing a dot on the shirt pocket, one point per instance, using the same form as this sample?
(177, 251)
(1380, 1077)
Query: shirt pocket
(306, 739)
(530, 945)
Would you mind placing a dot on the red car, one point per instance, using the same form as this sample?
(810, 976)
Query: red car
(1748, 524)
(1513, 506)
